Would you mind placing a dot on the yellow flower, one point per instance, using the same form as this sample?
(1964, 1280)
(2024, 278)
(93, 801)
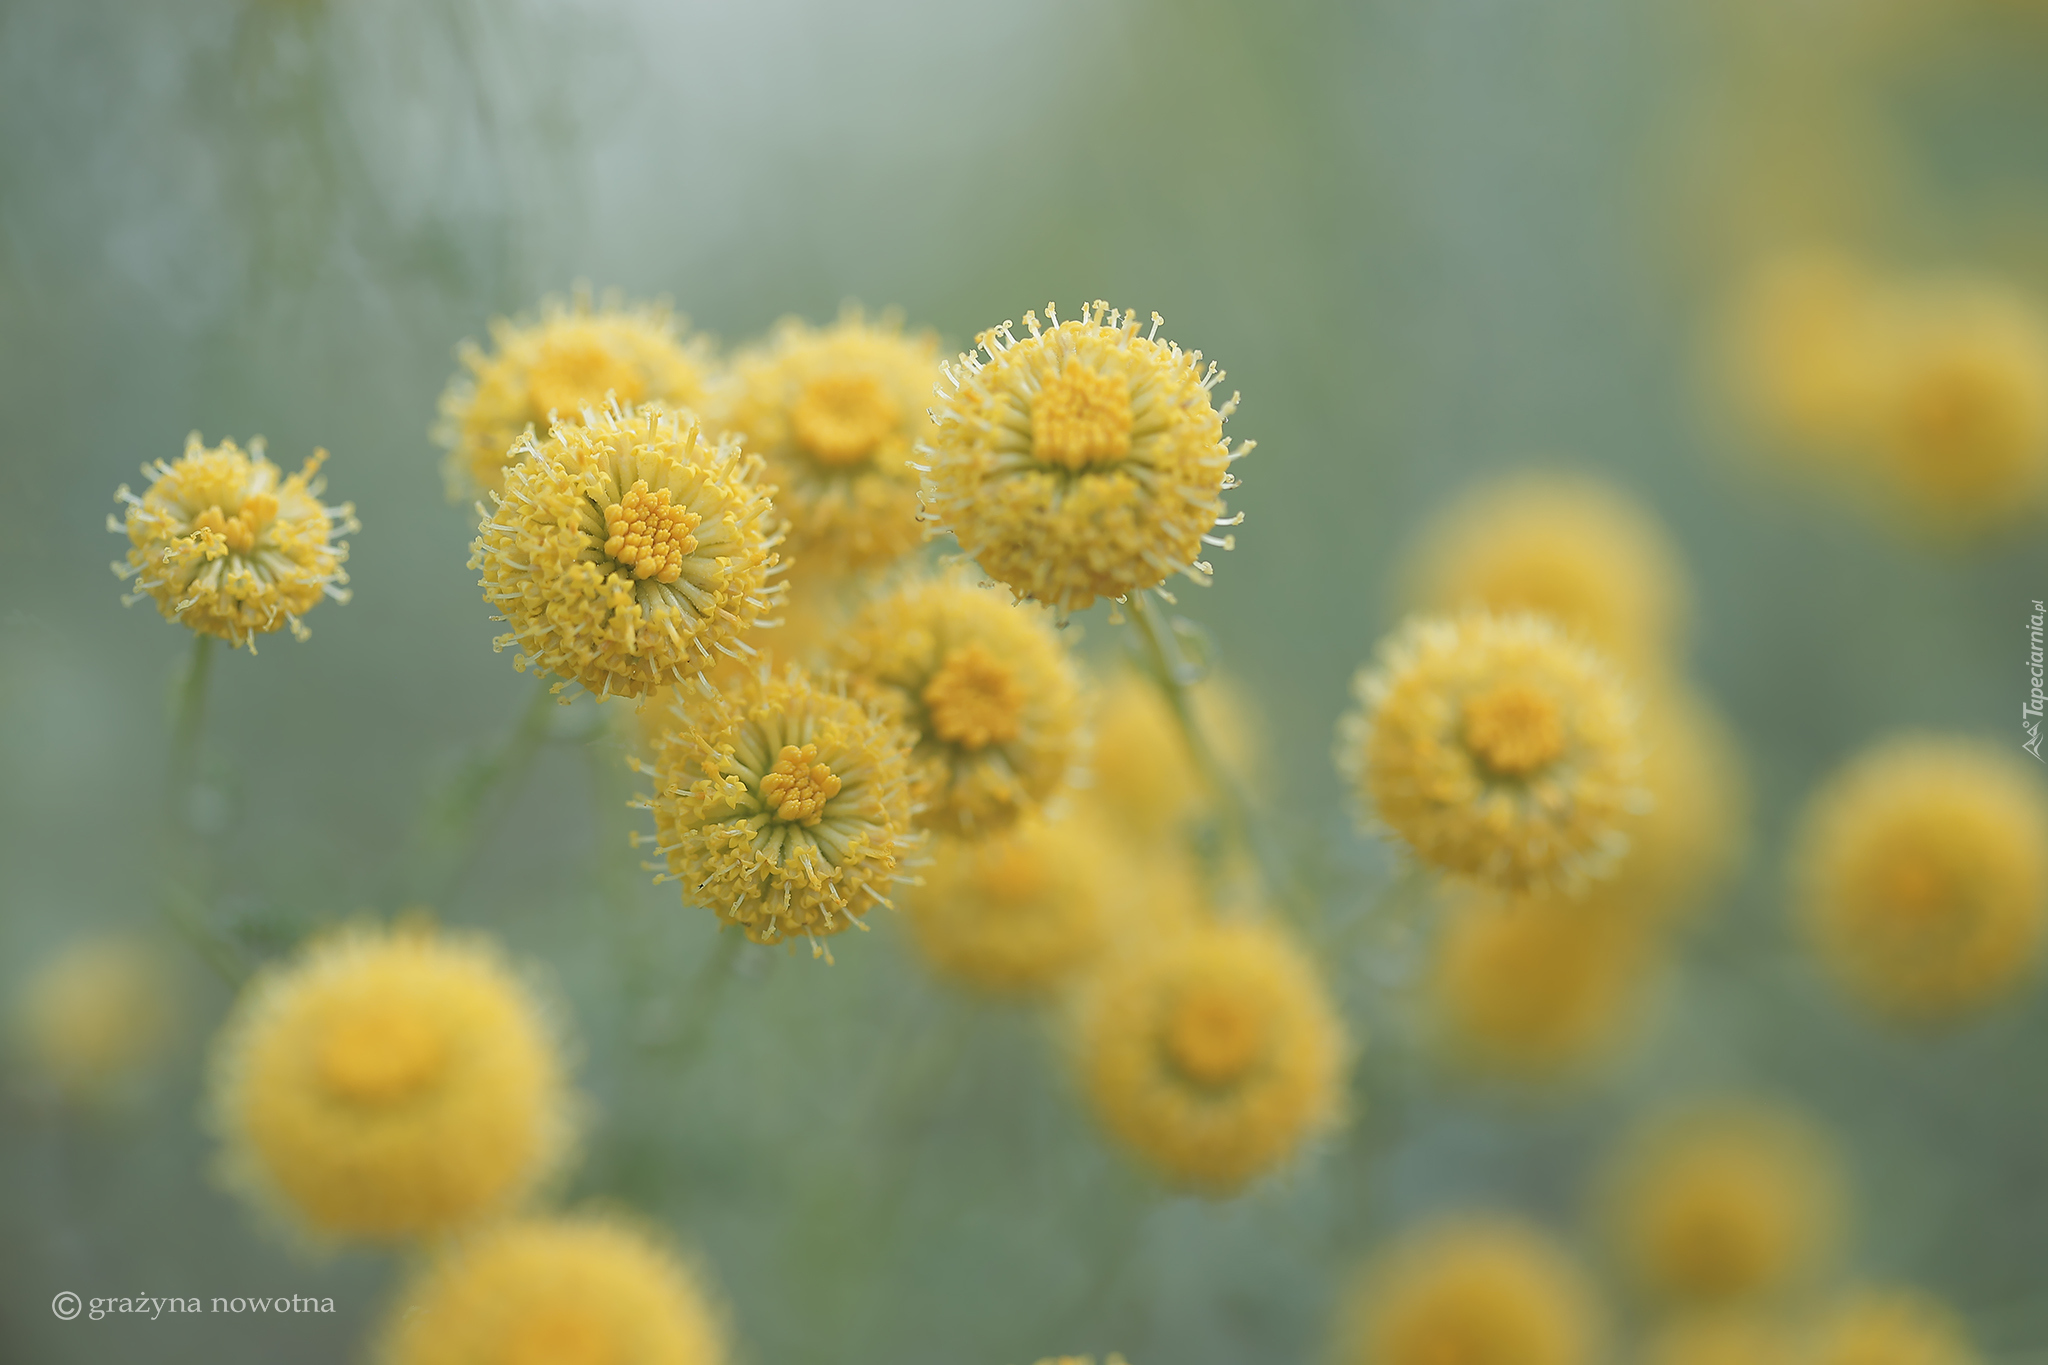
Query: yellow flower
(1019, 911)
(1475, 1291)
(230, 546)
(1214, 1054)
(1571, 549)
(782, 804)
(1532, 987)
(389, 1084)
(1723, 1339)
(1693, 834)
(1889, 1327)
(1496, 749)
(95, 1014)
(572, 358)
(627, 552)
(1085, 461)
(1807, 350)
(1923, 868)
(1141, 774)
(987, 686)
(577, 1290)
(1722, 1203)
(1111, 1359)
(1962, 428)
(836, 412)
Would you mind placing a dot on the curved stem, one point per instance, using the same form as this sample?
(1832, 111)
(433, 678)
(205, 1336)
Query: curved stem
(458, 829)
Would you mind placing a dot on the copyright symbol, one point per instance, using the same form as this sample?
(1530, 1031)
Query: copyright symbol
(66, 1305)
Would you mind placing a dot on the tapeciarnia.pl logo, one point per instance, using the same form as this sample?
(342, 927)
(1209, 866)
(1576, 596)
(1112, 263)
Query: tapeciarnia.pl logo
(2030, 714)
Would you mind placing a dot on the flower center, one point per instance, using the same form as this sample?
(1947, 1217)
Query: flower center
(1514, 728)
(1081, 418)
(974, 700)
(1915, 888)
(561, 1335)
(381, 1053)
(798, 786)
(240, 530)
(577, 369)
(649, 534)
(841, 418)
(1013, 873)
(1214, 1035)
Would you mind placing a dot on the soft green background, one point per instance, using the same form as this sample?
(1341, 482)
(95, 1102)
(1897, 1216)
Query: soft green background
(1428, 240)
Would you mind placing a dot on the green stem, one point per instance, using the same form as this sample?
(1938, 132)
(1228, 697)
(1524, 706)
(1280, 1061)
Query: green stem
(1175, 679)
(707, 990)
(182, 901)
(188, 714)
(461, 826)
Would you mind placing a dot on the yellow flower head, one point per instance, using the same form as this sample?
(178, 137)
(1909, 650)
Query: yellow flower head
(1020, 910)
(228, 545)
(1085, 461)
(538, 372)
(1963, 426)
(1571, 549)
(1472, 1291)
(390, 1084)
(1531, 987)
(577, 1290)
(627, 552)
(96, 1014)
(1807, 351)
(836, 412)
(1889, 1327)
(1723, 1339)
(1693, 834)
(1923, 868)
(987, 686)
(1724, 1203)
(1214, 1054)
(1496, 749)
(782, 804)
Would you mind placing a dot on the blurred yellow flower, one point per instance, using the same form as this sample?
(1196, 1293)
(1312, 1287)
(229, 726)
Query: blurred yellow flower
(1807, 347)
(576, 1290)
(1962, 428)
(988, 687)
(1695, 831)
(1723, 1339)
(835, 411)
(1475, 1291)
(1141, 775)
(1214, 1053)
(782, 804)
(627, 552)
(1533, 987)
(228, 545)
(1496, 749)
(1572, 549)
(573, 357)
(95, 1015)
(1021, 910)
(389, 1084)
(1922, 869)
(1889, 1327)
(1084, 461)
(1715, 1204)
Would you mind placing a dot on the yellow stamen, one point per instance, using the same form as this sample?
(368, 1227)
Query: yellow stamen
(649, 534)
(798, 786)
(974, 700)
(1081, 418)
(240, 530)
(841, 418)
(1514, 728)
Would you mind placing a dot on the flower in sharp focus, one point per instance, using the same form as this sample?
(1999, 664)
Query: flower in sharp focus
(390, 1084)
(96, 1014)
(229, 545)
(1084, 461)
(628, 552)
(576, 1290)
(1572, 549)
(835, 412)
(1923, 874)
(987, 686)
(1719, 1204)
(571, 358)
(1496, 749)
(1534, 987)
(1214, 1053)
(1888, 1327)
(782, 804)
(1474, 1291)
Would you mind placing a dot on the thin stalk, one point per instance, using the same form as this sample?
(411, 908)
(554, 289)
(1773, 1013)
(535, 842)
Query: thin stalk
(707, 990)
(461, 825)
(181, 900)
